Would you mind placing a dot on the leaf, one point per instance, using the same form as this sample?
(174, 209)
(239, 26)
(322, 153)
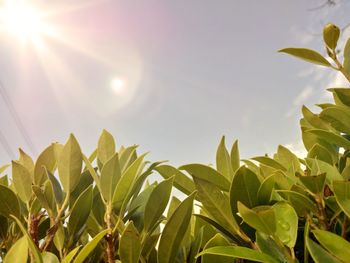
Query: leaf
(223, 160)
(130, 244)
(181, 181)
(318, 254)
(216, 204)
(174, 231)
(3, 168)
(287, 223)
(268, 246)
(92, 172)
(27, 162)
(57, 190)
(307, 55)
(18, 252)
(207, 173)
(331, 137)
(9, 204)
(156, 203)
(195, 246)
(346, 63)
(127, 156)
(343, 94)
(22, 181)
(314, 183)
(318, 167)
(32, 246)
(217, 240)
(335, 244)
(342, 194)
(263, 220)
(89, 247)
(105, 147)
(239, 252)
(46, 159)
(126, 183)
(265, 190)
(269, 162)
(338, 117)
(49, 257)
(244, 188)
(70, 255)
(235, 159)
(69, 164)
(79, 213)
(300, 202)
(110, 176)
(320, 153)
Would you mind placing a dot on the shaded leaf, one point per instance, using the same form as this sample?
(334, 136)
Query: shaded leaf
(9, 204)
(265, 190)
(318, 254)
(315, 183)
(301, 203)
(342, 194)
(70, 255)
(130, 245)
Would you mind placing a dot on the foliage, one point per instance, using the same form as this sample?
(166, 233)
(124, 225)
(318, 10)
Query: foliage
(67, 207)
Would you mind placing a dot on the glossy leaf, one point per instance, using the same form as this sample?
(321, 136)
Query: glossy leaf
(130, 245)
(268, 246)
(207, 173)
(223, 160)
(265, 190)
(105, 147)
(217, 240)
(110, 175)
(338, 117)
(9, 204)
(239, 252)
(156, 204)
(70, 255)
(331, 137)
(301, 203)
(49, 257)
(314, 183)
(69, 164)
(307, 55)
(22, 181)
(89, 247)
(18, 252)
(342, 193)
(174, 231)
(318, 254)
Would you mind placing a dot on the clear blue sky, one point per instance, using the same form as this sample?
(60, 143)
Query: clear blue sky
(171, 76)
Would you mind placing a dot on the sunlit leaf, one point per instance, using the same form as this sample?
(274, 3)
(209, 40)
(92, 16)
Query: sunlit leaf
(105, 147)
(307, 55)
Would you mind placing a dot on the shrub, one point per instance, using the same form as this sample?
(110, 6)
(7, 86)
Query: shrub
(67, 207)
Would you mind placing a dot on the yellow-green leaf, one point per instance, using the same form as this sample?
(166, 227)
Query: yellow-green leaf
(22, 181)
(331, 35)
(105, 147)
(130, 244)
(110, 176)
(9, 204)
(307, 55)
(18, 252)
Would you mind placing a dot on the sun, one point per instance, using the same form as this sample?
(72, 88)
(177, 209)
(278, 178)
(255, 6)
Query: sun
(22, 20)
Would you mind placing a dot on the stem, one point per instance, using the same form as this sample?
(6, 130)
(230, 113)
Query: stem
(321, 212)
(109, 236)
(344, 227)
(54, 222)
(340, 68)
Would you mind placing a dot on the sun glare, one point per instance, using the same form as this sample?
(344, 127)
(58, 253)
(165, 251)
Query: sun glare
(22, 20)
(118, 85)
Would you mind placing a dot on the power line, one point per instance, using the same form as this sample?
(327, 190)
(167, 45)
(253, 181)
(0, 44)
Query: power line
(16, 118)
(6, 146)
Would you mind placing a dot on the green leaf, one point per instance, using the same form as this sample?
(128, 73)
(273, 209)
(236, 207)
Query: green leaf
(268, 246)
(195, 246)
(265, 190)
(262, 219)
(127, 157)
(288, 159)
(92, 172)
(57, 190)
(110, 176)
(22, 181)
(216, 203)
(70, 164)
(18, 252)
(32, 246)
(89, 247)
(105, 147)
(130, 245)
(217, 240)
(335, 244)
(346, 63)
(3, 168)
(244, 188)
(235, 159)
(269, 162)
(156, 204)
(79, 213)
(46, 159)
(307, 55)
(342, 194)
(287, 223)
(318, 167)
(207, 173)
(318, 254)
(71, 255)
(27, 162)
(338, 117)
(49, 257)
(9, 204)
(174, 231)
(125, 184)
(343, 94)
(331, 35)
(320, 153)
(301, 203)
(45, 198)
(331, 137)
(181, 181)
(223, 160)
(315, 183)
(239, 252)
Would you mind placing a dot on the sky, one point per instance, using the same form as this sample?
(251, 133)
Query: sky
(170, 76)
